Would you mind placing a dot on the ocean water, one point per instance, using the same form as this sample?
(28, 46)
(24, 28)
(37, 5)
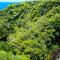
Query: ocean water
(4, 4)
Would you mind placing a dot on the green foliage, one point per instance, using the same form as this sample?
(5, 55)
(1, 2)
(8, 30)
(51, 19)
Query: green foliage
(30, 30)
(8, 56)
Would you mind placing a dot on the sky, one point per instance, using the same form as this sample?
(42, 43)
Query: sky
(11, 0)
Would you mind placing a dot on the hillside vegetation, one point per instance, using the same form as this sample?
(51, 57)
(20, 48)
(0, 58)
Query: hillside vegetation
(30, 30)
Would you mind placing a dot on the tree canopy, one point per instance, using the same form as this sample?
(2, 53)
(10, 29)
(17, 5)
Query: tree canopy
(30, 30)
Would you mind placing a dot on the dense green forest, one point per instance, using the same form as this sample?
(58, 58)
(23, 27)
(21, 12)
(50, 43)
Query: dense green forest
(30, 30)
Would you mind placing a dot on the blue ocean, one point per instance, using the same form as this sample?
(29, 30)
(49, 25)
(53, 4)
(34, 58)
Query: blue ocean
(4, 4)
